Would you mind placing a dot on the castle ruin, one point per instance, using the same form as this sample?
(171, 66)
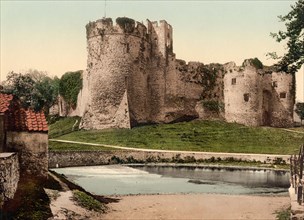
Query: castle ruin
(133, 78)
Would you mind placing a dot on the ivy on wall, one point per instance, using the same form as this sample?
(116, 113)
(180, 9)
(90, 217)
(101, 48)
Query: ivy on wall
(69, 86)
(255, 62)
(213, 106)
(127, 24)
(210, 74)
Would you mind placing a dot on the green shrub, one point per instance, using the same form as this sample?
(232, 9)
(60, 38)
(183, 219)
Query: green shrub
(86, 201)
(283, 214)
(69, 86)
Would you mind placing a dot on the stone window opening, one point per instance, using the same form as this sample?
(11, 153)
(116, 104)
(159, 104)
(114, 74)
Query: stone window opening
(246, 97)
(274, 84)
(127, 48)
(283, 95)
(233, 81)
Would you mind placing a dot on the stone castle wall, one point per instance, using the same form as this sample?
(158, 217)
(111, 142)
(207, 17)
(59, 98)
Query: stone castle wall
(133, 78)
(283, 99)
(258, 97)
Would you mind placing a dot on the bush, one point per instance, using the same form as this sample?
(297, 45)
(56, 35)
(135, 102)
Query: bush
(69, 86)
(86, 201)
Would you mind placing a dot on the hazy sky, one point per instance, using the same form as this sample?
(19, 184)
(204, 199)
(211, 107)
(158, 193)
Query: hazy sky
(50, 35)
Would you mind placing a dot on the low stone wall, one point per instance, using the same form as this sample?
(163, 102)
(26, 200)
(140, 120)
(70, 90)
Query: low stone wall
(33, 151)
(91, 158)
(9, 175)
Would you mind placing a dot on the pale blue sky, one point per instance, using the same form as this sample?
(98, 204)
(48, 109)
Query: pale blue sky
(50, 35)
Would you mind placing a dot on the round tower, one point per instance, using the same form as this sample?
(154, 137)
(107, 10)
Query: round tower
(242, 94)
(117, 73)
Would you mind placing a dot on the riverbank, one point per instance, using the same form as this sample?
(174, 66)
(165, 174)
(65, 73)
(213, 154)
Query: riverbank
(197, 206)
(95, 158)
(191, 206)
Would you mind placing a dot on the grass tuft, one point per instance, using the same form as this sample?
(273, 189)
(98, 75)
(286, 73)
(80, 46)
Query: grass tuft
(283, 214)
(86, 201)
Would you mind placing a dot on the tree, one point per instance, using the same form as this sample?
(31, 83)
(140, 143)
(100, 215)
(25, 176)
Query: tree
(69, 86)
(35, 89)
(293, 59)
(300, 110)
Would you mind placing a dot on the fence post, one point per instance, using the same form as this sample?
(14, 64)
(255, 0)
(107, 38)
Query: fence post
(291, 172)
(295, 174)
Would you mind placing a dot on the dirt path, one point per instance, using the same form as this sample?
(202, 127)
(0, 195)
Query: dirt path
(197, 206)
(64, 207)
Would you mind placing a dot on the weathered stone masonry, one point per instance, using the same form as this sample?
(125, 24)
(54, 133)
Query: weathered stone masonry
(32, 148)
(9, 175)
(133, 77)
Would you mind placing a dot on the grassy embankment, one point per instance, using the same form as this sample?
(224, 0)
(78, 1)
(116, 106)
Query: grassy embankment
(211, 136)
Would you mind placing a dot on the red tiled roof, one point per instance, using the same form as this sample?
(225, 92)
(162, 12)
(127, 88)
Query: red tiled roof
(20, 119)
(5, 101)
(26, 120)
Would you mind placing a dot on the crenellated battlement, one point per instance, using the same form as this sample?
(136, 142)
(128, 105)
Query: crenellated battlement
(123, 25)
(159, 33)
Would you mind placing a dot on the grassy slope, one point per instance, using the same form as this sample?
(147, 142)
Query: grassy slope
(214, 136)
(63, 126)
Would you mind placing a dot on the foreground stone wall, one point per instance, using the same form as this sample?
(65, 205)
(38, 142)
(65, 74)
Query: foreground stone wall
(9, 175)
(92, 158)
(32, 148)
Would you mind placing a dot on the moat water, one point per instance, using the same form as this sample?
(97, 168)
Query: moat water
(140, 179)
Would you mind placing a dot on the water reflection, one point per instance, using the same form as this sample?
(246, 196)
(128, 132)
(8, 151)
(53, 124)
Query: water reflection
(248, 178)
(122, 180)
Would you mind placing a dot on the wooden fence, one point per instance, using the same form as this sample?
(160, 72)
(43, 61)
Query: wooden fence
(296, 174)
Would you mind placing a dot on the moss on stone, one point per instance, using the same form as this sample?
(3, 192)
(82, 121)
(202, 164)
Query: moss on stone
(127, 24)
(213, 106)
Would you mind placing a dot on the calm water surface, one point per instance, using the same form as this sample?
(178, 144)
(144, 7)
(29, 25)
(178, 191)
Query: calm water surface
(123, 180)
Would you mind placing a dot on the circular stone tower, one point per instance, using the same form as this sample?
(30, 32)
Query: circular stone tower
(118, 56)
(243, 94)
